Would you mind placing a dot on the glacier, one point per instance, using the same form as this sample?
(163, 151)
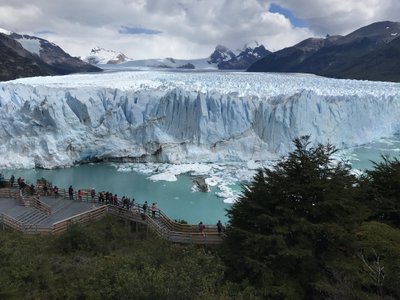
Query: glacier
(185, 117)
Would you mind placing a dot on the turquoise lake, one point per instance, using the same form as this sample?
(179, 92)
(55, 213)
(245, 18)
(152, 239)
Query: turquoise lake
(177, 199)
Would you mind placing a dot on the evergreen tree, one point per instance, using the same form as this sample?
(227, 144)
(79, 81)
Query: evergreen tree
(382, 189)
(290, 220)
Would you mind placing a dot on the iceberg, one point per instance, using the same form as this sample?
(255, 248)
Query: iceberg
(186, 117)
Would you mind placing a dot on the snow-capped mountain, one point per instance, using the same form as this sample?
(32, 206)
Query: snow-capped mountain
(221, 54)
(241, 59)
(185, 117)
(221, 58)
(164, 63)
(101, 56)
(25, 56)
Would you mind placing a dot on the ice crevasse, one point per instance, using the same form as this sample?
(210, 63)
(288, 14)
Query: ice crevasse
(185, 117)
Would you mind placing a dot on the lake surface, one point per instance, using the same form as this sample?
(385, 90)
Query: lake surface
(177, 198)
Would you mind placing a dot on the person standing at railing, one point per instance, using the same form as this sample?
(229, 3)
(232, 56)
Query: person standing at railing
(71, 192)
(101, 197)
(145, 206)
(144, 213)
(220, 227)
(80, 194)
(153, 210)
(12, 179)
(55, 191)
(202, 227)
(45, 189)
(92, 194)
(132, 204)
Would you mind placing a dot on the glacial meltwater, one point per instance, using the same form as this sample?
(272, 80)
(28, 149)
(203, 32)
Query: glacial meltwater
(178, 199)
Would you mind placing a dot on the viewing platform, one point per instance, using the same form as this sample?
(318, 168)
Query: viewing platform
(51, 214)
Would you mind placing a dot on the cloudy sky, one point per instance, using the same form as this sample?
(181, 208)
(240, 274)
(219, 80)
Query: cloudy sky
(187, 28)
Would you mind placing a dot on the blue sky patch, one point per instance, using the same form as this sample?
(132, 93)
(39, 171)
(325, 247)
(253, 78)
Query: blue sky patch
(296, 22)
(137, 30)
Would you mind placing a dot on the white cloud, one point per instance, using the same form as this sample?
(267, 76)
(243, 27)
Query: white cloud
(342, 16)
(189, 29)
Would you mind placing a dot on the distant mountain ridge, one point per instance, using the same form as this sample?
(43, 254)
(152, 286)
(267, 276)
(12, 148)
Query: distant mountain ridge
(26, 56)
(221, 58)
(371, 52)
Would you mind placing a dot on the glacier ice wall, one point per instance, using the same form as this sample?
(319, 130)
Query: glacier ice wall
(185, 117)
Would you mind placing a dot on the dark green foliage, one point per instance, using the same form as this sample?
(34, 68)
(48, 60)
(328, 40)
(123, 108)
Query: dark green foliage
(105, 261)
(291, 221)
(382, 190)
(379, 242)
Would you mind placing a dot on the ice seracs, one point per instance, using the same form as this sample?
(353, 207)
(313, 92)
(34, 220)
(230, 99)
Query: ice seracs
(185, 117)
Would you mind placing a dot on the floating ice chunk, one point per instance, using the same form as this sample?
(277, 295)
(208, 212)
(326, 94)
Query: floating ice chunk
(225, 191)
(230, 200)
(167, 176)
(213, 181)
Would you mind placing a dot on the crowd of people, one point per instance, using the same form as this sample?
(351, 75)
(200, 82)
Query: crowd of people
(105, 197)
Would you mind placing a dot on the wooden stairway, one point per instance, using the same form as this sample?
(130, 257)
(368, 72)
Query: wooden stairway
(167, 229)
(38, 213)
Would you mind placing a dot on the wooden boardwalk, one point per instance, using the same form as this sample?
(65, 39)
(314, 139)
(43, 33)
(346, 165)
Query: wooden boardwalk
(50, 214)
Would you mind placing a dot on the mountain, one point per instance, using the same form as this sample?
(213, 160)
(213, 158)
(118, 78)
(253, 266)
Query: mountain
(221, 58)
(163, 63)
(26, 56)
(227, 59)
(287, 60)
(16, 62)
(221, 54)
(382, 64)
(351, 56)
(102, 56)
(185, 117)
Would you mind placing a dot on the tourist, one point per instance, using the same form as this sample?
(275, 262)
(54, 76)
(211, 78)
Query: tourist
(21, 183)
(92, 194)
(45, 189)
(202, 227)
(32, 189)
(220, 227)
(55, 191)
(132, 204)
(80, 194)
(71, 193)
(101, 197)
(153, 210)
(145, 205)
(12, 179)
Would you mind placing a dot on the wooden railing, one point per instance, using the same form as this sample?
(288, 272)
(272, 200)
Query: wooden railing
(160, 223)
(35, 202)
(10, 222)
(168, 229)
(9, 193)
(82, 218)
